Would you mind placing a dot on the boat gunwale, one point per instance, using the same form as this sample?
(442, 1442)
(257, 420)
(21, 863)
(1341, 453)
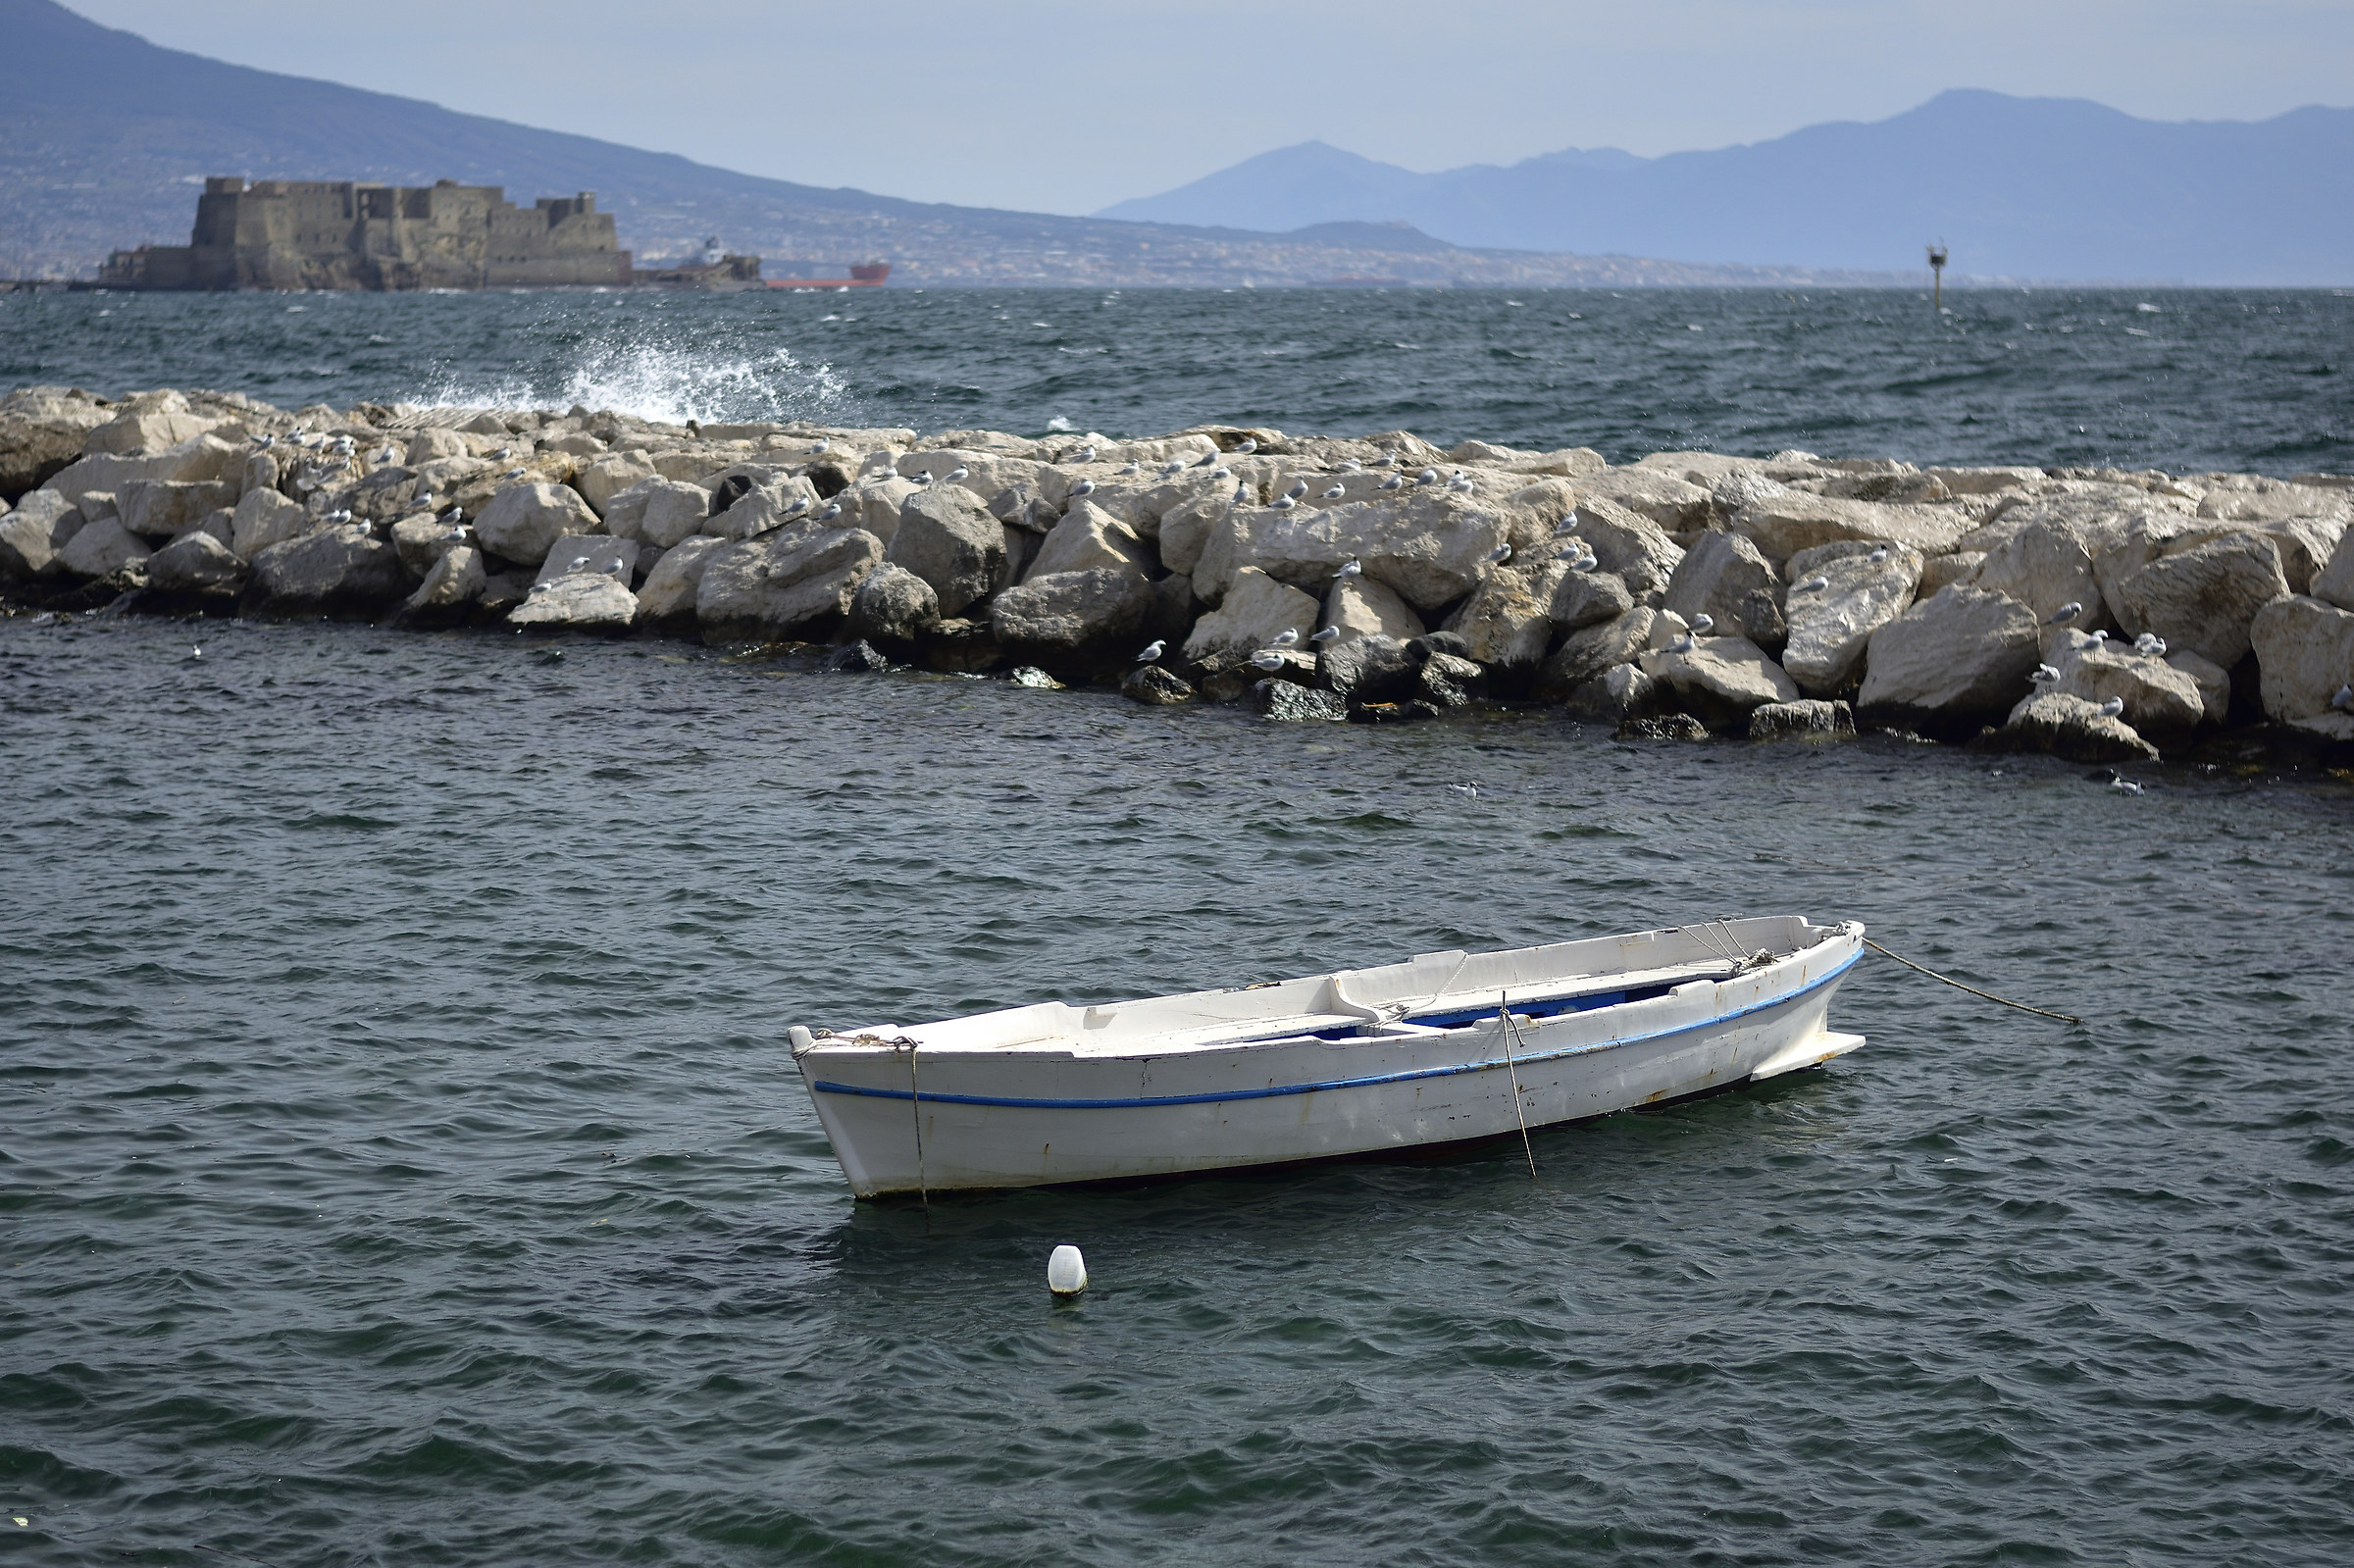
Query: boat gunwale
(1277, 1090)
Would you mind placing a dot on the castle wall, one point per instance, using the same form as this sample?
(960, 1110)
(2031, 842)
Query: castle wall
(281, 234)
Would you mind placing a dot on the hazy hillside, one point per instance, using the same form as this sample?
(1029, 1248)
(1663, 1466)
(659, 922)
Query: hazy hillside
(109, 138)
(2021, 188)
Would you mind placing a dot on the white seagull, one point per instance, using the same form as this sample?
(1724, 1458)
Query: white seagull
(1336, 492)
(1267, 659)
(2126, 784)
(819, 447)
(2344, 699)
(2151, 644)
(2113, 707)
(1246, 445)
(2066, 612)
(1812, 585)
(2044, 675)
(1133, 468)
(829, 513)
(1429, 475)
(1086, 454)
(1083, 487)
(1393, 482)
(959, 472)
(1325, 635)
(1281, 503)
(1348, 569)
(1173, 465)
(1499, 555)
(1877, 556)
(1153, 650)
(1298, 490)
(1287, 638)
(1703, 625)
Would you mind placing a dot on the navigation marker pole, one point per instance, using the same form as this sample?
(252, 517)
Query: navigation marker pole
(1937, 273)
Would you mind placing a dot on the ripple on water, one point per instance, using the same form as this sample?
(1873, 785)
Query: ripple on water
(402, 1160)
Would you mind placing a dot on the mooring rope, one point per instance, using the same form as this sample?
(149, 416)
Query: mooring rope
(1506, 1031)
(2065, 1018)
(915, 1101)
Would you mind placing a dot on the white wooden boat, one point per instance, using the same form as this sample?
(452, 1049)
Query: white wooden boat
(1448, 1047)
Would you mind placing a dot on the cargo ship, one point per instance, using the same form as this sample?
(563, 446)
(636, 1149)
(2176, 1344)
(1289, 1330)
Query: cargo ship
(866, 274)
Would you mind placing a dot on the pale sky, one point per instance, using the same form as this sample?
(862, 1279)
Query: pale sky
(1056, 106)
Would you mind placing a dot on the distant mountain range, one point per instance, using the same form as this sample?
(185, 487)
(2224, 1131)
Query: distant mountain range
(2043, 188)
(108, 138)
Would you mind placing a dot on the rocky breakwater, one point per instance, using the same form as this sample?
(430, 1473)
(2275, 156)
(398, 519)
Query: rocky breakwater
(2098, 614)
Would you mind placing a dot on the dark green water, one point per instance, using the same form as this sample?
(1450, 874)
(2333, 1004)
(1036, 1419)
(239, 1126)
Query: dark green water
(2200, 379)
(400, 1160)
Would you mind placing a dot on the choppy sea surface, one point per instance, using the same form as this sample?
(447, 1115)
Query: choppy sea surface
(401, 1161)
(2190, 380)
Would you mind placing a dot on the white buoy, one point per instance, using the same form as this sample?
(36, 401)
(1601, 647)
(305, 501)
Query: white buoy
(1066, 1270)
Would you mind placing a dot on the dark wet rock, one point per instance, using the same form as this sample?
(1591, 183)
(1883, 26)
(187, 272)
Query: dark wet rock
(1809, 720)
(857, 658)
(1291, 702)
(1448, 682)
(2071, 728)
(1155, 687)
(1622, 692)
(1372, 669)
(1666, 726)
(893, 606)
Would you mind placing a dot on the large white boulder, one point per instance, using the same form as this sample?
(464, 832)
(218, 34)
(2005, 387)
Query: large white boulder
(149, 423)
(163, 509)
(1957, 658)
(1831, 625)
(892, 606)
(338, 570)
(32, 534)
(1636, 549)
(99, 547)
(194, 563)
(673, 582)
(206, 458)
(1092, 610)
(42, 430)
(1257, 610)
(576, 601)
(664, 512)
(1669, 502)
(2305, 654)
(1432, 546)
(2333, 584)
(1089, 538)
(2044, 567)
(1507, 622)
(522, 520)
(777, 503)
(1783, 526)
(1588, 598)
(596, 554)
(2070, 726)
(1359, 607)
(2204, 598)
(949, 537)
(1716, 675)
(1722, 576)
(450, 587)
(2160, 699)
(422, 539)
(602, 479)
(792, 584)
(264, 518)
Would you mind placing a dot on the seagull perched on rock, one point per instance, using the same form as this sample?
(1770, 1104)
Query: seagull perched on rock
(1348, 569)
(2113, 707)
(1132, 468)
(2150, 644)
(829, 513)
(2066, 612)
(819, 447)
(2344, 699)
(1812, 585)
(1393, 482)
(1267, 659)
(1349, 465)
(1289, 638)
(1173, 465)
(1499, 555)
(517, 472)
(959, 472)
(502, 454)
(1335, 493)
(1325, 635)
(264, 440)
(1246, 445)
(2044, 675)
(1281, 503)
(1586, 561)
(924, 477)
(1085, 454)
(1682, 644)
(797, 504)
(2126, 784)
(1429, 475)
(2100, 636)
(1208, 457)
(1461, 483)
(1153, 650)
(1242, 493)
(1877, 556)
(1299, 489)
(1221, 472)
(1387, 459)
(1703, 625)
(1083, 487)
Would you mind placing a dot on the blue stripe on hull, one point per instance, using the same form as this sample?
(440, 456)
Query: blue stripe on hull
(1275, 1091)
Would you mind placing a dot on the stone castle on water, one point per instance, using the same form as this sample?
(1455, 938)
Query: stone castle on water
(350, 234)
